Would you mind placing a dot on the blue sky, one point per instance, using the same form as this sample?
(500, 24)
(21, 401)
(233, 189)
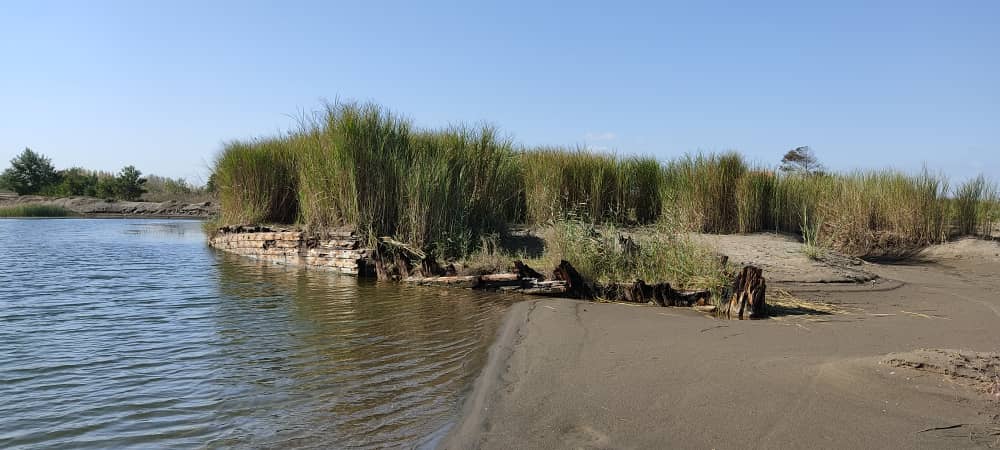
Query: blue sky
(163, 84)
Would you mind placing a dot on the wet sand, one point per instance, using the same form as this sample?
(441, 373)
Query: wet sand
(569, 374)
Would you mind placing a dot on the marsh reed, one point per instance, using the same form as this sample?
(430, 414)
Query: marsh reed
(444, 190)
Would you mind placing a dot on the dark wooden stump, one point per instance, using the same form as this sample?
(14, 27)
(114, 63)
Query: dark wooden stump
(575, 285)
(748, 292)
(429, 267)
(638, 292)
(401, 266)
(524, 271)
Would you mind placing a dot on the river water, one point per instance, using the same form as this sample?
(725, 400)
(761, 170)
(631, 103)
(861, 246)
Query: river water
(133, 333)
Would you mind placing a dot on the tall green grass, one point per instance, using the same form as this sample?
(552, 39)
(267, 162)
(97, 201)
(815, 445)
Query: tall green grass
(591, 186)
(975, 206)
(258, 181)
(35, 211)
(882, 212)
(363, 166)
(702, 191)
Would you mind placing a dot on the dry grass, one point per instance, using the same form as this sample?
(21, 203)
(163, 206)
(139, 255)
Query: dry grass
(782, 303)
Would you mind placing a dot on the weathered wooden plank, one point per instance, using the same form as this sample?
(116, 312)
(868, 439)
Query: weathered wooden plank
(495, 277)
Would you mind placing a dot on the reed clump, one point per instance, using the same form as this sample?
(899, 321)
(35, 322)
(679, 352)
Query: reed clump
(258, 181)
(581, 184)
(363, 166)
(702, 191)
(35, 211)
(975, 207)
(869, 213)
(360, 165)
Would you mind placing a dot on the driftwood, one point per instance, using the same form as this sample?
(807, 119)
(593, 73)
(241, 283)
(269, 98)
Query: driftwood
(413, 253)
(402, 257)
(558, 288)
(748, 295)
(499, 281)
(575, 284)
(429, 267)
(745, 299)
(661, 293)
(524, 271)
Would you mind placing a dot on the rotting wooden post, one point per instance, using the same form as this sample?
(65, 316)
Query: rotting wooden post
(576, 286)
(525, 271)
(638, 292)
(748, 295)
(429, 267)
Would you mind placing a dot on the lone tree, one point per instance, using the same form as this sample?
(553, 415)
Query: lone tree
(801, 160)
(129, 184)
(29, 173)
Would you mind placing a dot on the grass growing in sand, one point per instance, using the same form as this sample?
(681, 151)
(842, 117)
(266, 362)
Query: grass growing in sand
(608, 254)
(443, 190)
(35, 211)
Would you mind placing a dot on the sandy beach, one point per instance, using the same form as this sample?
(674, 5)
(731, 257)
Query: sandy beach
(842, 366)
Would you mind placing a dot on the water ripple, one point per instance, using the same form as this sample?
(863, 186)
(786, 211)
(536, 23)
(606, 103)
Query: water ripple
(133, 334)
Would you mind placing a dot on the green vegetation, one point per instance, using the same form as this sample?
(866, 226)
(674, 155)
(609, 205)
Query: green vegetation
(444, 190)
(701, 193)
(606, 254)
(161, 189)
(31, 173)
(590, 186)
(34, 211)
(260, 182)
(363, 166)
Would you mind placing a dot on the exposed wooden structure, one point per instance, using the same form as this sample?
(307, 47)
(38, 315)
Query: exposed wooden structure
(396, 261)
(747, 299)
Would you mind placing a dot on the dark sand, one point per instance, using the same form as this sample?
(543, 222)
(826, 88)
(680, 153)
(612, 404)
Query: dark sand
(568, 374)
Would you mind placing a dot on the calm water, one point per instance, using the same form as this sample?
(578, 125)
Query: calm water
(133, 333)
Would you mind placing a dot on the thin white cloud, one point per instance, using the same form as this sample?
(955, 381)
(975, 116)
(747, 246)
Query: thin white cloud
(605, 136)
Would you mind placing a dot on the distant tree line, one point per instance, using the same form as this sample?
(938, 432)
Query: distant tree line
(32, 173)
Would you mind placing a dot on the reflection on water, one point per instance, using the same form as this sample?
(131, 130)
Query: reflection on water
(117, 333)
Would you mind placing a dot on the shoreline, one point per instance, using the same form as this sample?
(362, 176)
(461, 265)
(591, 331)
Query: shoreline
(470, 422)
(116, 216)
(572, 374)
(91, 207)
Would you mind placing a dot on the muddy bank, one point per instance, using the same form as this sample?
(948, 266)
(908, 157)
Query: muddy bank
(567, 374)
(96, 207)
